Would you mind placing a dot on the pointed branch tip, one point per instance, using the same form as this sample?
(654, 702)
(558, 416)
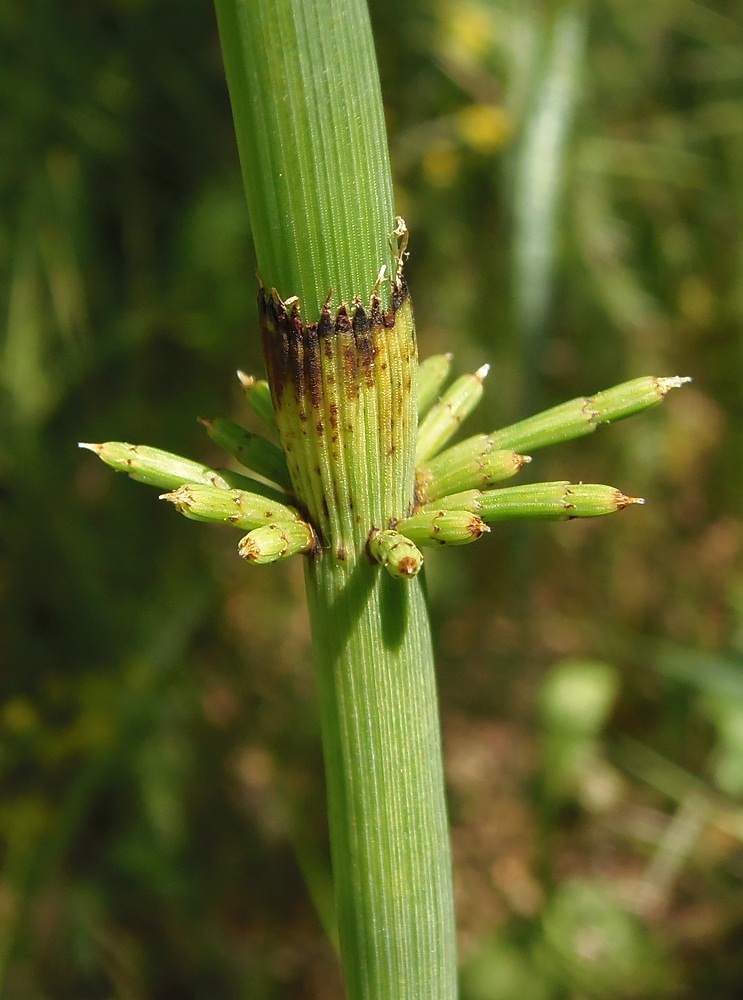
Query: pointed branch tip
(482, 372)
(673, 382)
(623, 501)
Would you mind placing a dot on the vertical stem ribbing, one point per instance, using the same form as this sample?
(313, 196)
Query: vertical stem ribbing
(383, 759)
(308, 114)
(310, 130)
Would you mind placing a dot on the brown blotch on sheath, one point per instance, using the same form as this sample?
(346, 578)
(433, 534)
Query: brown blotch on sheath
(399, 293)
(325, 326)
(364, 328)
(344, 329)
(361, 321)
(275, 341)
(295, 351)
(295, 355)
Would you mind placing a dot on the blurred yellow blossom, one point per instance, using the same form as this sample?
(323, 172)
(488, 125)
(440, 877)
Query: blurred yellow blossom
(466, 31)
(484, 127)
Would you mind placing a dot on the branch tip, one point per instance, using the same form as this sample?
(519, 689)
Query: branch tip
(623, 501)
(673, 382)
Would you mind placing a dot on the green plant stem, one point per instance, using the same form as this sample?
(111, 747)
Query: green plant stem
(383, 762)
(308, 114)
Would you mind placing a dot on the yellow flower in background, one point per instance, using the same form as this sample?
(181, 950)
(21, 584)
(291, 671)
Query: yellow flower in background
(486, 128)
(466, 31)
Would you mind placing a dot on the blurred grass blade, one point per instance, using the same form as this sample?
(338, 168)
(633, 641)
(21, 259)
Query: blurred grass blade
(540, 171)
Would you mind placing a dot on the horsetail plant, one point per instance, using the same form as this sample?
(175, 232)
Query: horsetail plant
(365, 475)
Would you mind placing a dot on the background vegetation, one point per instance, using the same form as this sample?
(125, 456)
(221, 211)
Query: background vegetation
(572, 175)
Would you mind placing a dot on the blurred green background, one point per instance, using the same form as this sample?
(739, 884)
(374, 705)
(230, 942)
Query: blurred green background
(572, 175)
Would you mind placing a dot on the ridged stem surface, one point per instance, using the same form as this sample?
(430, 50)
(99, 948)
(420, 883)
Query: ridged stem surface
(317, 178)
(383, 757)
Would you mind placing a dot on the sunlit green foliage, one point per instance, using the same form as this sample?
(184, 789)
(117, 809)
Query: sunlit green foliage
(162, 806)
